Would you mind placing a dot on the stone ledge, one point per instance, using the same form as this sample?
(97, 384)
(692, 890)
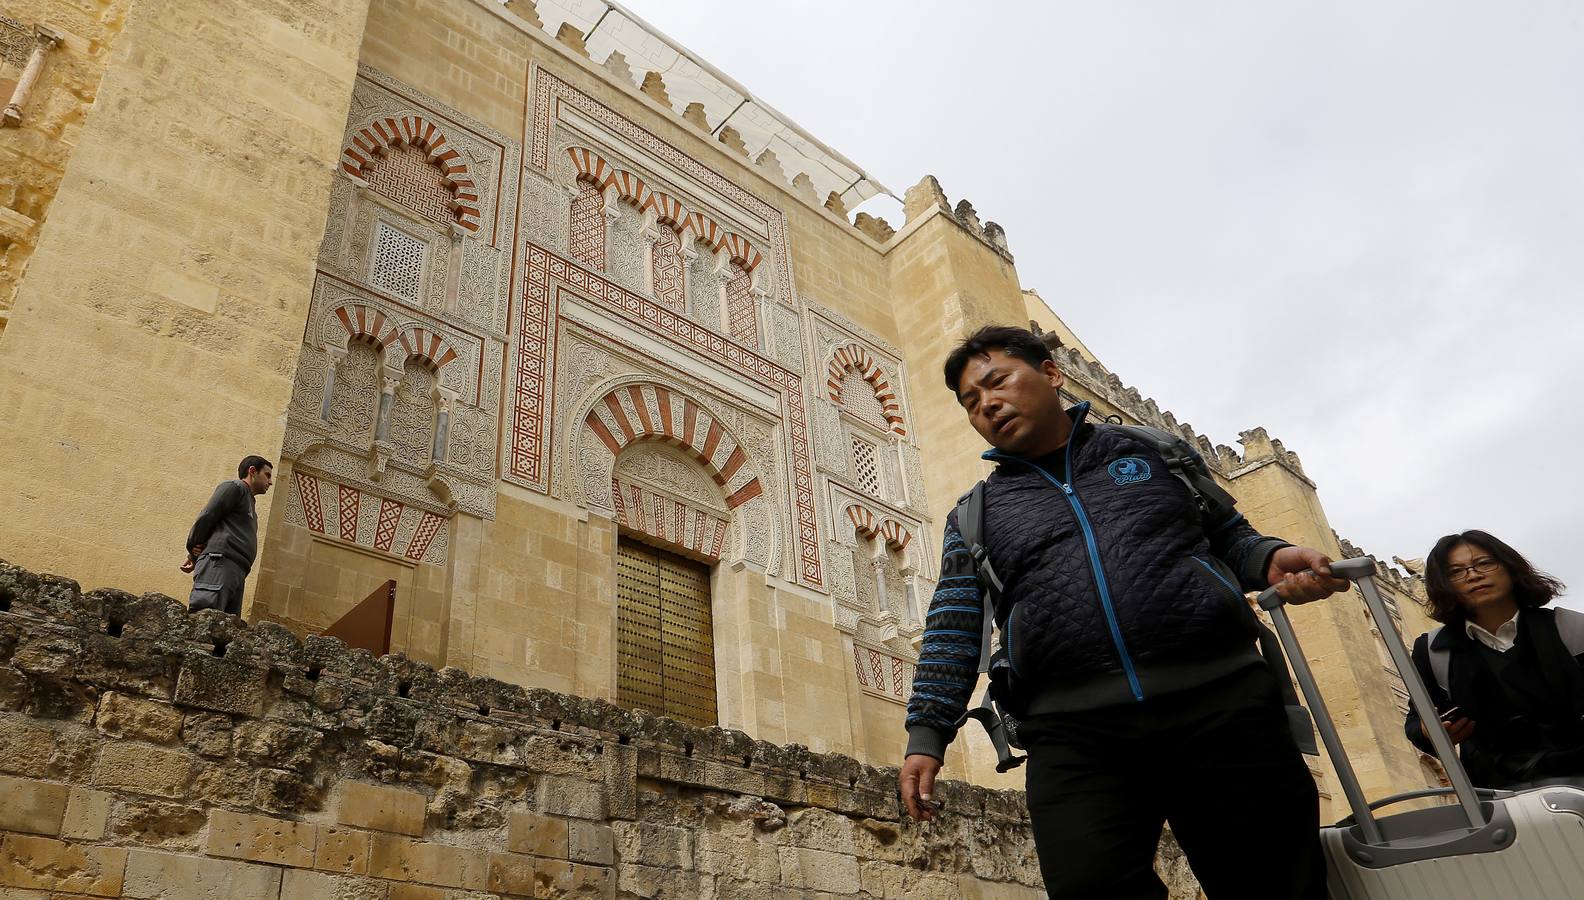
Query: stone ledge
(195, 749)
(82, 644)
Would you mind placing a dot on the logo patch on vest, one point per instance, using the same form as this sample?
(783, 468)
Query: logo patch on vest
(1129, 470)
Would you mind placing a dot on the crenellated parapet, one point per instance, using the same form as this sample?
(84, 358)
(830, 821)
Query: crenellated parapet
(784, 173)
(927, 195)
(1260, 449)
(1406, 576)
(1099, 380)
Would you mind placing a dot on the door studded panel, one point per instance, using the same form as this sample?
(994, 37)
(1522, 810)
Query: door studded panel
(665, 639)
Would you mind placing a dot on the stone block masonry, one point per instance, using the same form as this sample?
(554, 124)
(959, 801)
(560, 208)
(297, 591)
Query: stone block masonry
(149, 752)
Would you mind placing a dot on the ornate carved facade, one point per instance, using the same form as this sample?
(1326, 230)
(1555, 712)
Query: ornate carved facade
(609, 322)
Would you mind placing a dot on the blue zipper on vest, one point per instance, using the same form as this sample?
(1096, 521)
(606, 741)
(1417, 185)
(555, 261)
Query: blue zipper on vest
(1094, 562)
(1219, 577)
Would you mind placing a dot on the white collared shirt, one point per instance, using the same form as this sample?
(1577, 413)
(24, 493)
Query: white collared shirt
(1506, 634)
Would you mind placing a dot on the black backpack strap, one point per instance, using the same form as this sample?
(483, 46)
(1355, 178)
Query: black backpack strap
(970, 527)
(1183, 461)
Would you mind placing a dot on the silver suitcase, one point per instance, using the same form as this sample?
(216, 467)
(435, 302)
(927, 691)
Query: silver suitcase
(1488, 845)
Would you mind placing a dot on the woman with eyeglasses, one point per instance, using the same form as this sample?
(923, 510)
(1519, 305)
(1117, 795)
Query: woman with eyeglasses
(1505, 671)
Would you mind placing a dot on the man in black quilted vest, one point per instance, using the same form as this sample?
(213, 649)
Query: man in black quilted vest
(1130, 651)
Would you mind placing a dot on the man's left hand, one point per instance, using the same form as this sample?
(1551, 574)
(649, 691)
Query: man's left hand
(1301, 575)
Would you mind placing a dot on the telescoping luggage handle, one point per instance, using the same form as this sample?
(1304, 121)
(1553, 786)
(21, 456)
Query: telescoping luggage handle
(1361, 571)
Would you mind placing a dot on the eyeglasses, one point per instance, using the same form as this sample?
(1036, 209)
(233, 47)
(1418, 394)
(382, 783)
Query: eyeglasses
(1481, 567)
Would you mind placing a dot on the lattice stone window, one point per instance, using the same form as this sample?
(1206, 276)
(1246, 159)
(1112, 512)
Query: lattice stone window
(858, 397)
(398, 262)
(865, 467)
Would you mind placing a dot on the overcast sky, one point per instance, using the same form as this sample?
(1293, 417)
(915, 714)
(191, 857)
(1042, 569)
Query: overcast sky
(1356, 224)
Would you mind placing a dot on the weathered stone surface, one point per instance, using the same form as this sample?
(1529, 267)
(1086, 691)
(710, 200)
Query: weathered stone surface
(526, 793)
(741, 858)
(818, 870)
(35, 807)
(511, 874)
(648, 882)
(342, 850)
(261, 839)
(220, 685)
(320, 886)
(281, 791)
(208, 734)
(142, 769)
(228, 783)
(47, 864)
(404, 859)
(151, 875)
(530, 832)
(574, 797)
(590, 842)
(121, 716)
(87, 814)
(155, 823)
(380, 807)
(279, 746)
(647, 844)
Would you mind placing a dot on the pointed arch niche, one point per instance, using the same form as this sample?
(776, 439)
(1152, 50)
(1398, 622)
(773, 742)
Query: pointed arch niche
(886, 571)
(665, 467)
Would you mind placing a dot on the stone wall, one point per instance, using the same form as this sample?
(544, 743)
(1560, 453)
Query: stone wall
(154, 336)
(146, 752)
(35, 147)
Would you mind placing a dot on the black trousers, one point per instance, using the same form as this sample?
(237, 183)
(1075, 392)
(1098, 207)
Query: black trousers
(1218, 762)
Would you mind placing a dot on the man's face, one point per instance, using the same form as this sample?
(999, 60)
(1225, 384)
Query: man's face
(260, 479)
(1013, 405)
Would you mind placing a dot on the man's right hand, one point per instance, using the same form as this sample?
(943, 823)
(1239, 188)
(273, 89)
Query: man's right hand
(1459, 729)
(918, 783)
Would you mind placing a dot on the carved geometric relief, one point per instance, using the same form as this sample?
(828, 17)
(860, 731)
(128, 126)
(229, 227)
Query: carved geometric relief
(627, 250)
(882, 674)
(846, 374)
(361, 517)
(641, 509)
(406, 175)
(866, 470)
(412, 415)
(666, 270)
(857, 396)
(412, 295)
(554, 100)
(650, 411)
(784, 336)
(355, 397)
(587, 244)
(704, 291)
(742, 307)
(16, 42)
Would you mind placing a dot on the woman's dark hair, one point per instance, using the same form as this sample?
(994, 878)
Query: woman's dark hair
(1015, 342)
(1531, 587)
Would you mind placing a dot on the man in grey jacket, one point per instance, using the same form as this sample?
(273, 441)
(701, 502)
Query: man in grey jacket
(224, 540)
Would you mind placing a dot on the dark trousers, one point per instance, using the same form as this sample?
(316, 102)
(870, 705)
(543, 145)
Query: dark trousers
(1218, 762)
(217, 584)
